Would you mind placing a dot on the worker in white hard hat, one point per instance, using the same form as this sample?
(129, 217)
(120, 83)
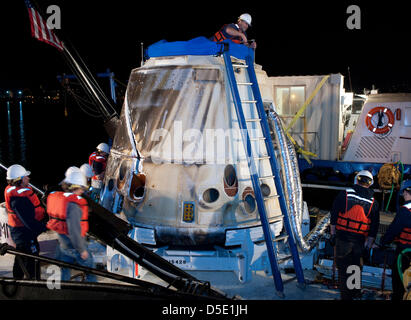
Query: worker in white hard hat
(87, 171)
(26, 217)
(354, 225)
(68, 212)
(236, 32)
(61, 186)
(71, 169)
(98, 163)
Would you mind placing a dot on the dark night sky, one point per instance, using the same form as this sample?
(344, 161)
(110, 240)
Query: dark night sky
(293, 37)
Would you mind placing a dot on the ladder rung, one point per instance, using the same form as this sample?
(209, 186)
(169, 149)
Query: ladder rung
(262, 158)
(244, 83)
(266, 177)
(279, 218)
(253, 120)
(271, 197)
(248, 101)
(257, 139)
(240, 66)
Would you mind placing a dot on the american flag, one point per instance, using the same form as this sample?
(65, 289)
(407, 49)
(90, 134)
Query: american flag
(40, 30)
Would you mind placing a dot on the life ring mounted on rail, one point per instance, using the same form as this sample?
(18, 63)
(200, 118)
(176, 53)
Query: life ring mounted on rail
(380, 120)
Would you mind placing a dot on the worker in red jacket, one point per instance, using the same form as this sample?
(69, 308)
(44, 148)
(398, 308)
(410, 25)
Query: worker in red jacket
(98, 163)
(236, 32)
(354, 225)
(26, 218)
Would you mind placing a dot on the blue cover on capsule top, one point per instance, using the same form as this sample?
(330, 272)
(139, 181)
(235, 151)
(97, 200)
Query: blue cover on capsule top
(200, 46)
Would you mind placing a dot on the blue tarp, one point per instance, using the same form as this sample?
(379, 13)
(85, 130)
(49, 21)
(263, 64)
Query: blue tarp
(200, 46)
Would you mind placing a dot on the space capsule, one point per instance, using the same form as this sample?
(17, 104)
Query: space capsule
(177, 169)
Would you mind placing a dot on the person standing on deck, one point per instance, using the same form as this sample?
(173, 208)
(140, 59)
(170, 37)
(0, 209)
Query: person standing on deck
(98, 163)
(354, 225)
(68, 213)
(26, 218)
(399, 231)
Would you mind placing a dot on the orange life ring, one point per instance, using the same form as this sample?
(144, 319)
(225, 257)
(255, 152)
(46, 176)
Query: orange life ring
(387, 127)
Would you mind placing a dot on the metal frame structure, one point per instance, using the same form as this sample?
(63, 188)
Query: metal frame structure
(129, 288)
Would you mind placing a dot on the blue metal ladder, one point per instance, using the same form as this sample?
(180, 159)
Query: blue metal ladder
(260, 199)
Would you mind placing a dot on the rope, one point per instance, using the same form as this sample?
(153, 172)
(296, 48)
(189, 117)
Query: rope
(400, 182)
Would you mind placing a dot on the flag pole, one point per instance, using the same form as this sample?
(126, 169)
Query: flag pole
(41, 31)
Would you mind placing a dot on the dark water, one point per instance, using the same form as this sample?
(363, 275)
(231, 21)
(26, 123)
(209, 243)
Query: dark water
(46, 141)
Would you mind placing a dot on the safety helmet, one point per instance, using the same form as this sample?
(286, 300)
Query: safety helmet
(103, 147)
(87, 171)
(246, 17)
(76, 178)
(16, 171)
(70, 170)
(365, 177)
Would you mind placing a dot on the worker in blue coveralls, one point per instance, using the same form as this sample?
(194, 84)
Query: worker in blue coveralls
(236, 32)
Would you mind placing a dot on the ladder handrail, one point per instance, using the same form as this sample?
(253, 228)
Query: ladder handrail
(274, 168)
(253, 174)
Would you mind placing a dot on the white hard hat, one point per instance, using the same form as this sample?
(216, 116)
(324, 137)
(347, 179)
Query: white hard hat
(76, 178)
(246, 17)
(103, 147)
(364, 173)
(70, 170)
(87, 171)
(16, 171)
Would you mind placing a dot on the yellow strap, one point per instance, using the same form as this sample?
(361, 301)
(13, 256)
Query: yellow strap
(304, 153)
(306, 103)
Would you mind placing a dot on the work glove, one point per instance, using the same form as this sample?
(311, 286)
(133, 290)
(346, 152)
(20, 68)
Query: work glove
(368, 243)
(332, 240)
(4, 247)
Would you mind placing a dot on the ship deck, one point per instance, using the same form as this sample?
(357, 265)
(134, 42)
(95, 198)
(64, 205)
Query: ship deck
(260, 287)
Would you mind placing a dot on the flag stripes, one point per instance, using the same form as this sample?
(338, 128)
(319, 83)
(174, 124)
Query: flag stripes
(40, 30)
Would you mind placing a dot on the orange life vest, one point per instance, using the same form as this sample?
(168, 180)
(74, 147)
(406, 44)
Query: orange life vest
(354, 218)
(405, 235)
(220, 36)
(14, 191)
(57, 209)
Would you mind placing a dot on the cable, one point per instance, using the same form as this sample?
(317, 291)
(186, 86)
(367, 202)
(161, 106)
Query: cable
(121, 83)
(82, 103)
(95, 83)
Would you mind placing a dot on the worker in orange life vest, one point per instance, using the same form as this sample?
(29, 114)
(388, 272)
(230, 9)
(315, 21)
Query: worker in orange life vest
(68, 213)
(26, 217)
(88, 172)
(98, 163)
(236, 32)
(354, 225)
(399, 231)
